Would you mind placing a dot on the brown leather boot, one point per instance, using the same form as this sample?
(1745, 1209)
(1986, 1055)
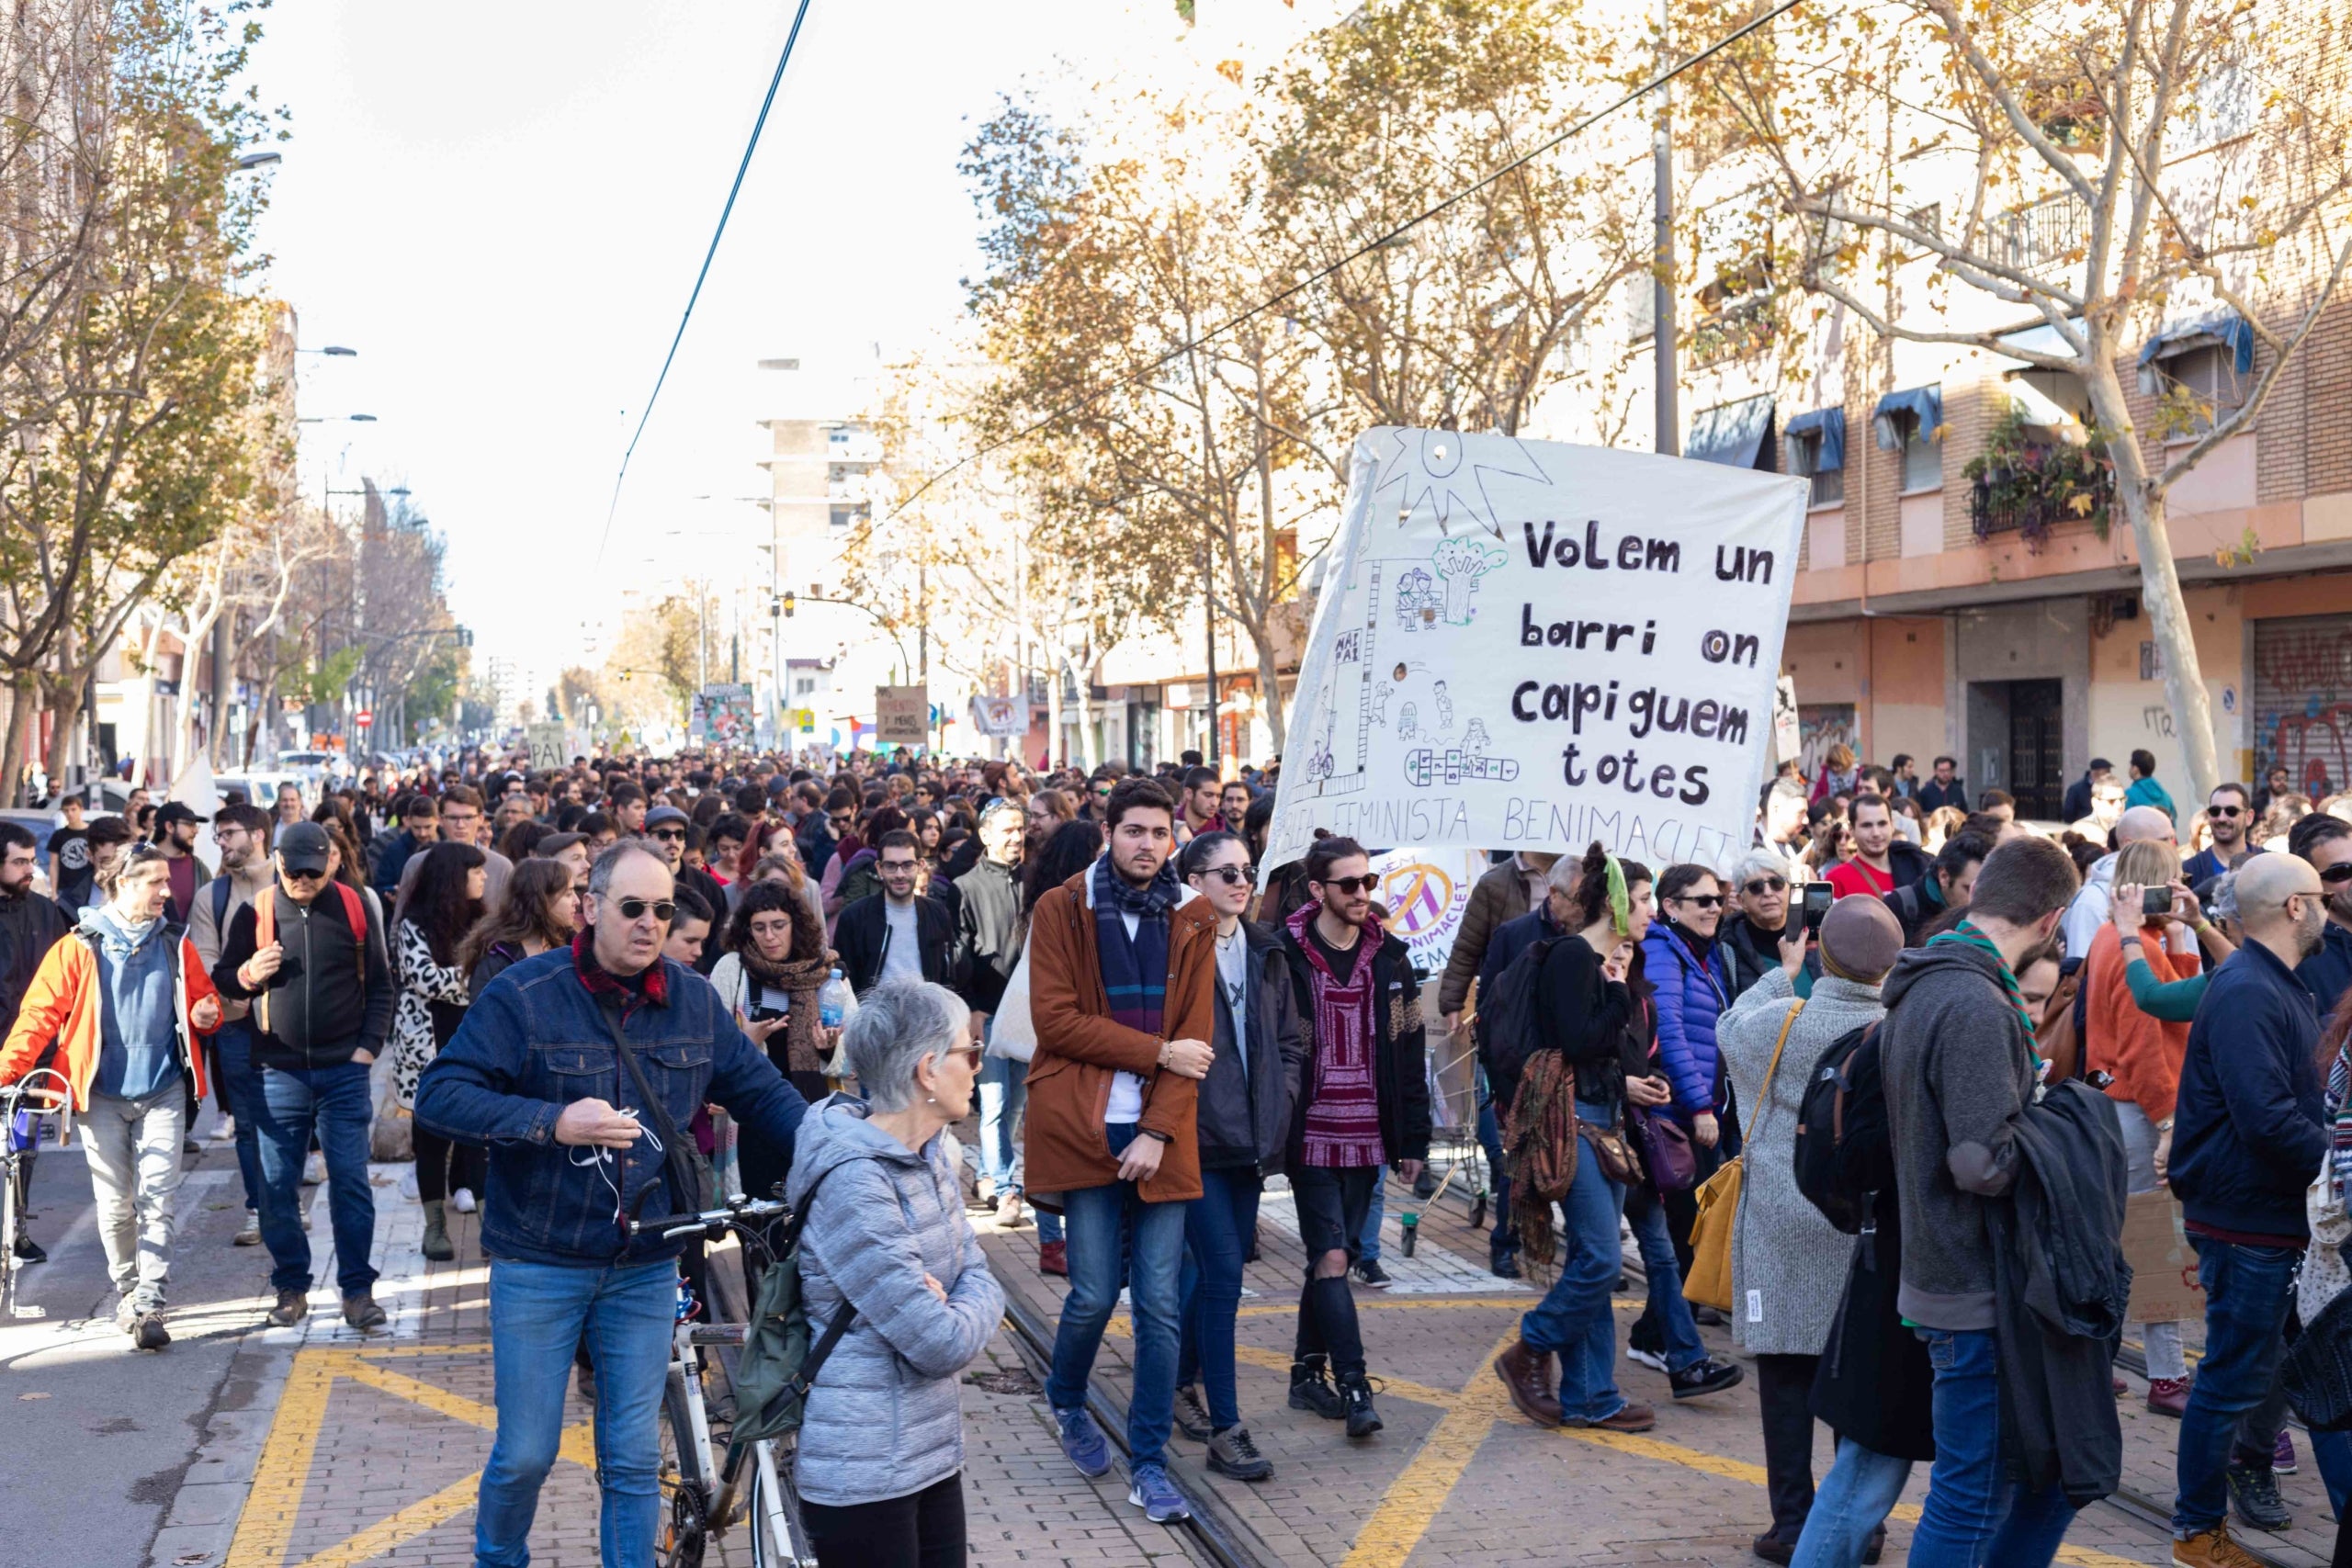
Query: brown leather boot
(1628, 1418)
(1527, 1375)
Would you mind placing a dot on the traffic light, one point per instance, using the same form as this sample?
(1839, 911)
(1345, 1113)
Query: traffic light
(788, 606)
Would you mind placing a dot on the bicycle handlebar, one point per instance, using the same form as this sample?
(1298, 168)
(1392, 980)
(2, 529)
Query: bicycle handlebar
(737, 1210)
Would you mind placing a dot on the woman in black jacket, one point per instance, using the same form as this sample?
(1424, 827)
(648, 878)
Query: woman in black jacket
(1245, 1116)
(1591, 1009)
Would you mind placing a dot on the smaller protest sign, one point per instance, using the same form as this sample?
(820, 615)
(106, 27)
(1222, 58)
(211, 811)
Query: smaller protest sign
(1425, 891)
(547, 745)
(902, 715)
(2164, 1266)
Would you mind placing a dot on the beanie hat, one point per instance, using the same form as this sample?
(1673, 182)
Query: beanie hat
(1860, 939)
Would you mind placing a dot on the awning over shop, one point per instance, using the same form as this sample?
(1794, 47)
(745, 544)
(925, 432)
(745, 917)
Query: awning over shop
(1925, 404)
(1830, 425)
(1737, 436)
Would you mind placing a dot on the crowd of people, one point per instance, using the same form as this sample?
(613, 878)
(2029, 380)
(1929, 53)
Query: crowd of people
(809, 976)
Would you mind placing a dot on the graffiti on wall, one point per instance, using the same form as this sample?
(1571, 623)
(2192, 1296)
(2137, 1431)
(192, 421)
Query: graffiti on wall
(2303, 702)
(1821, 726)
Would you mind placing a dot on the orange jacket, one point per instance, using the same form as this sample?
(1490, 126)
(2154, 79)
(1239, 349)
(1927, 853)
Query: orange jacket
(1079, 1048)
(2144, 1053)
(60, 1009)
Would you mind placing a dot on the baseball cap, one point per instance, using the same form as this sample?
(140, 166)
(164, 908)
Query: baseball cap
(661, 813)
(173, 811)
(303, 846)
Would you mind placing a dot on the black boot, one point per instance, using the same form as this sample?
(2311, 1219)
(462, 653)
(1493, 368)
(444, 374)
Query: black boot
(1310, 1388)
(1355, 1396)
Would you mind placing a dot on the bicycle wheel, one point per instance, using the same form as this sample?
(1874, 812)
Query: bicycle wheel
(685, 1495)
(778, 1538)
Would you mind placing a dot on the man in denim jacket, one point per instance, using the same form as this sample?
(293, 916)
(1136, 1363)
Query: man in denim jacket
(533, 1074)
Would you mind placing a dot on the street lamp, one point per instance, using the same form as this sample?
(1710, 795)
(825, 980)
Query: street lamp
(259, 160)
(332, 350)
(338, 419)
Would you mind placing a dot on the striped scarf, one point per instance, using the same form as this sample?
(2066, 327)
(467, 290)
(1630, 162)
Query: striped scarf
(1965, 934)
(1540, 1147)
(1134, 969)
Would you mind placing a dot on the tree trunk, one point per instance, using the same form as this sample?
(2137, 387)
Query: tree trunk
(1270, 693)
(65, 702)
(2168, 620)
(1089, 744)
(24, 709)
(1052, 721)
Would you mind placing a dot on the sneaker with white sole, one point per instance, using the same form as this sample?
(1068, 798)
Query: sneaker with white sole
(251, 1235)
(463, 1202)
(1150, 1489)
(1641, 1357)
(1083, 1441)
(314, 1169)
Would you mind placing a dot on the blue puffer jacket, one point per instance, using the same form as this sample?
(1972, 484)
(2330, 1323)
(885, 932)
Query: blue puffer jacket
(536, 1041)
(1691, 994)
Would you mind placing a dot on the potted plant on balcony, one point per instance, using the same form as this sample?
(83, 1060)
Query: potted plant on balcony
(2026, 484)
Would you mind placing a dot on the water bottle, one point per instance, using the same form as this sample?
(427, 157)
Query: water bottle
(835, 1001)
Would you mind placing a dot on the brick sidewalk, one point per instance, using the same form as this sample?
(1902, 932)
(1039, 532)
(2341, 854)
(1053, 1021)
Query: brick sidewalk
(355, 1451)
(1458, 1477)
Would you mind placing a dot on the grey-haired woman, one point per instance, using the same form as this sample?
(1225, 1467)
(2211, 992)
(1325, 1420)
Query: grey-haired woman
(880, 1471)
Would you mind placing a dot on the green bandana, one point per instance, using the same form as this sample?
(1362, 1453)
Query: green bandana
(1621, 903)
(1965, 934)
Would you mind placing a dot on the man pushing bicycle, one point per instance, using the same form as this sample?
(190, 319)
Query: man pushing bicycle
(581, 1070)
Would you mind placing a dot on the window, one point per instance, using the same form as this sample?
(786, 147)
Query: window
(2200, 387)
(1804, 460)
(845, 516)
(804, 686)
(1923, 455)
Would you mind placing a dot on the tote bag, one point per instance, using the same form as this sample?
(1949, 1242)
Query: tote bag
(1708, 1280)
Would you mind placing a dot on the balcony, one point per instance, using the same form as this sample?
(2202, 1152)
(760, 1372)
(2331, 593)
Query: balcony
(2042, 238)
(2030, 502)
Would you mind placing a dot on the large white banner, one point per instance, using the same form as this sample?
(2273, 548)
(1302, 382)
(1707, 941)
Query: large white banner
(1525, 645)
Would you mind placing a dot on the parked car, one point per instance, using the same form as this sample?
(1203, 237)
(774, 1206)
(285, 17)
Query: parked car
(261, 789)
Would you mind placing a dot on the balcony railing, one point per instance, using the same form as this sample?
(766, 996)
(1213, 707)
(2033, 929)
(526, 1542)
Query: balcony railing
(2045, 236)
(1999, 503)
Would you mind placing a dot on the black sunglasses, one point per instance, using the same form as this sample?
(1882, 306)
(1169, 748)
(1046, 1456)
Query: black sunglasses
(1353, 883)
(294, 875)
(2340, 873)
(635, 908)
(1705, 901)
(678, 833)
(2224, 810)
(1764, 885)
(1230, 874)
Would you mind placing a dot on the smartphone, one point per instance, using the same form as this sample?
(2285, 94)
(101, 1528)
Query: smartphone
(2155, 901)
(1818, 897)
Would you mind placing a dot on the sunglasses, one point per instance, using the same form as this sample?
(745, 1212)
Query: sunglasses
(671, 834)
(635, 908)
(293, 876)
(1764, 885)
(1353, 883)
(1705, 901)
(974, 1053)
(2342, 873)
(1233, 874)
(2224, 810)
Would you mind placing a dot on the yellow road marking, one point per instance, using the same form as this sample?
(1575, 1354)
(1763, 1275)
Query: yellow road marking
(1413, 1499)
(273, 1508)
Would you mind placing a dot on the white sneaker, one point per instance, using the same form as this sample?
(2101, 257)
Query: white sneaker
(408, 1184)
(462, 1200)
(1641, 1357)
(314, 1169)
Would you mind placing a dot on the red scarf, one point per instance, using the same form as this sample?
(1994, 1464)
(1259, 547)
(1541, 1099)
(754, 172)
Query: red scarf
(653, 986)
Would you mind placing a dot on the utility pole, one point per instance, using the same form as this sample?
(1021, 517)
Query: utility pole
(1668, 442)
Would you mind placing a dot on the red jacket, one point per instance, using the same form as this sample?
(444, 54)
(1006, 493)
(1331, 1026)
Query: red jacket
(61, 1009)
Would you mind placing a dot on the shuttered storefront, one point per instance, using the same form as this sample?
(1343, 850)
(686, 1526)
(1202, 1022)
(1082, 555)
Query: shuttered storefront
(2303, 702)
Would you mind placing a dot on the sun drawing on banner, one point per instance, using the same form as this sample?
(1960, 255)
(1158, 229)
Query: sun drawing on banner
(1434, 468)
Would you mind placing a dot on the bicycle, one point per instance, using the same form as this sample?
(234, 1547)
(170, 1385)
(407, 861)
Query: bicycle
(701, 1496)
(48, 1100)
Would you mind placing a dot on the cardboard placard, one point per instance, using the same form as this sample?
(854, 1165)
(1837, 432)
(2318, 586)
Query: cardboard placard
(2164, 1266)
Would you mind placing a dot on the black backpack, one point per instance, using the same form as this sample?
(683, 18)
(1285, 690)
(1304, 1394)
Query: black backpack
(1841, 1117)
(1507, 1031)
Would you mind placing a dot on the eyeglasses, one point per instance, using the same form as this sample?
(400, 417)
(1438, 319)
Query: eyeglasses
(294, 875)
(1764, 885)
(974, 1054)
(1230, 874)
(1705, 901)
(635, 908)
(672, 835)
(890, 866)
(1353, 883)
(2224, 810)
(2338, 872)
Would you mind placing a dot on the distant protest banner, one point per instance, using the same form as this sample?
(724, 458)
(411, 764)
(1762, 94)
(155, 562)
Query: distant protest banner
(902, 715)
(998, 717)
(1525, 645)
(723, 715)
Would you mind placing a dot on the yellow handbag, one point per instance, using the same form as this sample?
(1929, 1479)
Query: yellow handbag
(1709, 1281)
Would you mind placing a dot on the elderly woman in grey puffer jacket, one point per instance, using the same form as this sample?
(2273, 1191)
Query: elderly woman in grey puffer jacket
(880, 1469)
(1788, 1262)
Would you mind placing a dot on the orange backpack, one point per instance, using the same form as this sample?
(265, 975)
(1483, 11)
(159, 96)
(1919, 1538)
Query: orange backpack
(266, 933)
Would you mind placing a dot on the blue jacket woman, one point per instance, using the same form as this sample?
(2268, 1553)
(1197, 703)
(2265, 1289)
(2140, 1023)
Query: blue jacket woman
(1692, 978)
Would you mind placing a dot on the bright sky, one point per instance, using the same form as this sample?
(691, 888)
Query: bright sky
(503, 206)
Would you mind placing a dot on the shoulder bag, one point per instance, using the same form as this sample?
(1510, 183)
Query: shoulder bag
(1708, 1281)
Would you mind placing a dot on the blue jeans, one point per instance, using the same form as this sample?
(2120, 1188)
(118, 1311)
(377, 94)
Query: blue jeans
(1852, 1500)
(232, 1053)
(538, 1313)
(1973, 1514)
(1217, 1228)
(1490, 1142)
(1368, 1244)
(333, 1103)
(1575, 1319)
(2248, 1291)
(1004, 1089)
(1669, 1312)
(1109, 1227)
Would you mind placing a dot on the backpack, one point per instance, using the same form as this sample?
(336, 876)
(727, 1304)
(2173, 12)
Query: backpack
(1506, 1019)
(1844, 1103)
(779, 1365)
(266, 933)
